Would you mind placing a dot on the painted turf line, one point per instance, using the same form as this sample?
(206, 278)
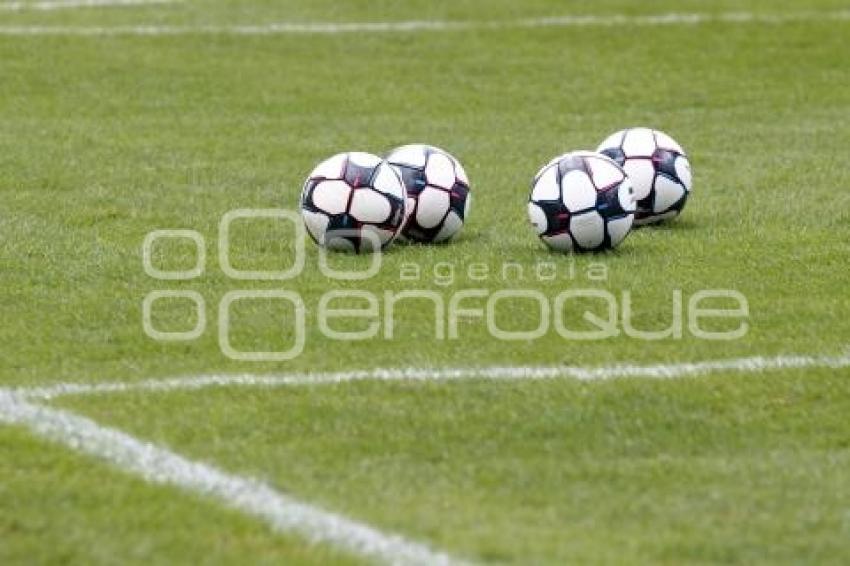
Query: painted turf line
(282, 512)
(161, 466)
(656, 371)
(331, 28)
(51, 5)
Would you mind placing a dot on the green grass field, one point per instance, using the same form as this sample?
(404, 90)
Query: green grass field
(104, 138)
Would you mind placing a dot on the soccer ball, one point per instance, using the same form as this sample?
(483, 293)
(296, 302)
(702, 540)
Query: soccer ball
(581, 201)
(438, 194)
(353, 201)
(659, 170)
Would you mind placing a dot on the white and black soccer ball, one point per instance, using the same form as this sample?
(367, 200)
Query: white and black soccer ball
(581, 201)
(353, 201)
(438, 194)
(659, 170)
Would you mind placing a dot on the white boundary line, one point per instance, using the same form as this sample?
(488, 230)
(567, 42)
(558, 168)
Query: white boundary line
(282, 512)
(331, 28)
(158, 465)
(51, 5)
(656, 371)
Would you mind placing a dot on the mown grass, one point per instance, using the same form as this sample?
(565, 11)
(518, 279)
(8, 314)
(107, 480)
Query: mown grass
(727, 469)
(105, 139)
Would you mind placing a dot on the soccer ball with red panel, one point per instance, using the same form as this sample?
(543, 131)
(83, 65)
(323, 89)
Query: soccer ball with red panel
(438, 195)
(353, 201)
(658, 167)
(581, 201)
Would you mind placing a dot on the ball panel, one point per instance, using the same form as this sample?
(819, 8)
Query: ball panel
(316, 223)
(588, 229)
(440, 171)
(409, 209)
(546, 187)
(614, 153)
(618, 229)
(398, 214)
(557, 215)
(642, 174)
(412, 179)
(357, 176)
(460, 172)
(387, 181)
(667, 193)
(552, 163)
(538, 218)
(460, 199)
(615, 140)
(664, 141)
(332, 168)
(683, 171)
(571, 162)
(639, 142)
(431, 208)
(368, 205)
(603, 172)
(577, 191)
(451, 226)
(414, 155)
(331, 196)
(364, 160)
(626, 196)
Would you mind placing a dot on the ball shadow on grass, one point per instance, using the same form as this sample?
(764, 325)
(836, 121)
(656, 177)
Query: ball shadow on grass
(673, 225)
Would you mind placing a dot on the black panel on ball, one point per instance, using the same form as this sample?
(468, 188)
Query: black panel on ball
(457, 199)
(665, 162)
(357, 176)
(615, 153)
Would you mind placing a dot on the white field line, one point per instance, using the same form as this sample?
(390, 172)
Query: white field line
(51, 5)
(284, 513)
(657, 371)
(158, 465)
(331, 28)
